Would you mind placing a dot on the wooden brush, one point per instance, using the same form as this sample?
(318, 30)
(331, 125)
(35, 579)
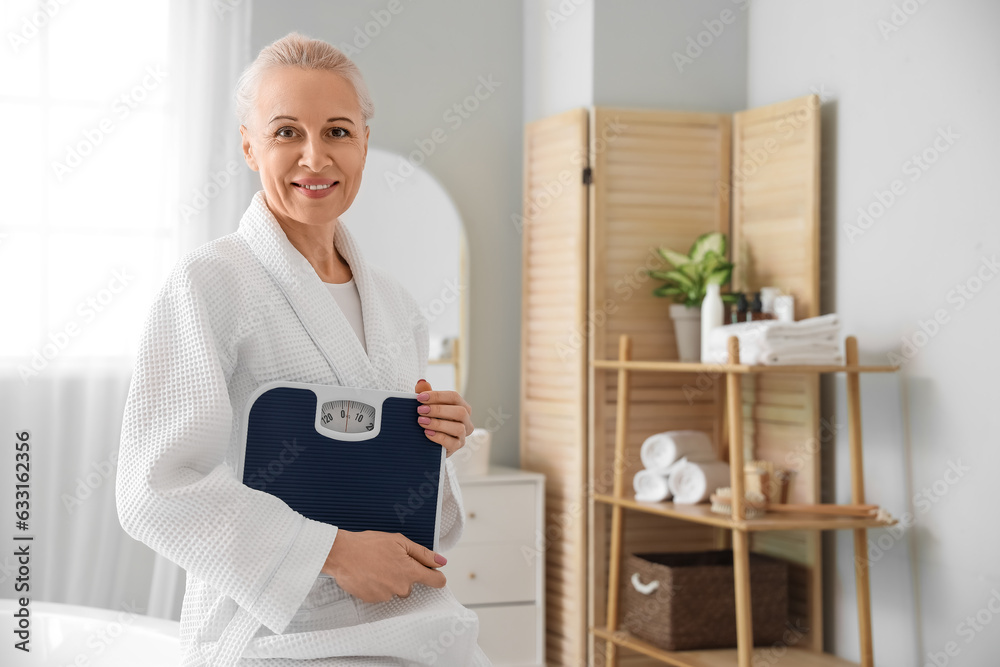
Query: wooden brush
(756, 506)
(754, 503)
(836, 510)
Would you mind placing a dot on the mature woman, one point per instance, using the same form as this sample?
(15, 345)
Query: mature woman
(287, 297)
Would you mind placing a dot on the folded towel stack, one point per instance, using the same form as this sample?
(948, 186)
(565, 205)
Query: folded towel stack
(663, 454)
(815, 340)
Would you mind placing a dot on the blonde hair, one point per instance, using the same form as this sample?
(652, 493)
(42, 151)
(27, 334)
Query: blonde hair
(296, 50)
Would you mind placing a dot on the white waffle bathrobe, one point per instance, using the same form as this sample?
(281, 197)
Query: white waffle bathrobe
(235, 313)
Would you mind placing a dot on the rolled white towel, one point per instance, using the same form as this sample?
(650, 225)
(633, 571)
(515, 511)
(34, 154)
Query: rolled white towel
(650, 486)
(693, 483)
(661, 450)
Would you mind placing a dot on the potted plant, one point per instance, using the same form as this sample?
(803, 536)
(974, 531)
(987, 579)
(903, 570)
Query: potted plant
(704, 264)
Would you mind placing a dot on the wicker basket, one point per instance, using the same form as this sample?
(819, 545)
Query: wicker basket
(692, 605)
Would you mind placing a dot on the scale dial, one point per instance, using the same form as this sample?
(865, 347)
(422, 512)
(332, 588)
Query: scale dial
(346, 416)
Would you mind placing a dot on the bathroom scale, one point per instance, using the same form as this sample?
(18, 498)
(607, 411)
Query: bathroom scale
(350, 457)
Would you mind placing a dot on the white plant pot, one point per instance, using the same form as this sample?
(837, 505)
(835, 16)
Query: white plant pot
(687, 329)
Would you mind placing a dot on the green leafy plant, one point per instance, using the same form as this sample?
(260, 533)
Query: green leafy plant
(705, 264)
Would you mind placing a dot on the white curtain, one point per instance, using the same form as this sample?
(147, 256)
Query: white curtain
(74, 418)
(74, 408)
(209, 47)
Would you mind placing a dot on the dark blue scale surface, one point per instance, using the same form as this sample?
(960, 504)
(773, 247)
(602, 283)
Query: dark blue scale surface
(388, 483)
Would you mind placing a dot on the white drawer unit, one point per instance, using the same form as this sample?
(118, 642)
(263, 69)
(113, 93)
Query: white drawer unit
(498, 513)
(491, 574)
(496, 570)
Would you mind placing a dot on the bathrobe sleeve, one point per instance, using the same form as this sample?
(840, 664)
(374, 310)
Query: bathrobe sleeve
(452, 508)
(174, 490)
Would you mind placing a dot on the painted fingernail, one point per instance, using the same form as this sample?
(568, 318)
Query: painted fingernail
(423, 397)
(424, 420)
(423, 409)
(430, 432)
(440, 560)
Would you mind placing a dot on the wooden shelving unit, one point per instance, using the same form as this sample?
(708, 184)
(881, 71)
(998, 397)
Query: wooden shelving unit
(454, 359)
(740, 527)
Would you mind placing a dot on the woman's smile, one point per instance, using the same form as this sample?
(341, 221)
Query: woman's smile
(315, 188)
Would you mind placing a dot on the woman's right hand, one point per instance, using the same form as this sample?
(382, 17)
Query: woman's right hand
(373, 566)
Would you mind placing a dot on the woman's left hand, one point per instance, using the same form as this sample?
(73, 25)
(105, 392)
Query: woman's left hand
(444, 415)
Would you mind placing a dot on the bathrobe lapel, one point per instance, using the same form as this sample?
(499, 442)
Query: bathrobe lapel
(315, 307)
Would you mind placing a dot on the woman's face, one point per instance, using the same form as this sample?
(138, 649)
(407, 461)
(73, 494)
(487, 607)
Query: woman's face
(306, 132)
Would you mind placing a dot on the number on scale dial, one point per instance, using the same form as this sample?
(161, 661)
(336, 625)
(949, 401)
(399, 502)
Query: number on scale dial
(347, 416)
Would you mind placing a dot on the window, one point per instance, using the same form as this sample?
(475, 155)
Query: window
(85, 238)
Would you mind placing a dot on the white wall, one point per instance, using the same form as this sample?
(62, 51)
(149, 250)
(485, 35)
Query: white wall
(558, 56)
(671, 54)
(427, 57)
(894, 94)
(661, 54)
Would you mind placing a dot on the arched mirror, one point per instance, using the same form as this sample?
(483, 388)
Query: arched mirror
(407, 224)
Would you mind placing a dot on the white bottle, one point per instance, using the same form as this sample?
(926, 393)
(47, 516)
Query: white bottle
(711, 317)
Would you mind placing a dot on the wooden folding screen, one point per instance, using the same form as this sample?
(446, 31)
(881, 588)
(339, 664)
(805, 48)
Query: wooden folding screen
(775, 195)
(656, 178)
(554, 364)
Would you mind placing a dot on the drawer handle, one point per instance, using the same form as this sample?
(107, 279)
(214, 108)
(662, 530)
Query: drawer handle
(472, 575)
(472, 515)
(645, 589)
